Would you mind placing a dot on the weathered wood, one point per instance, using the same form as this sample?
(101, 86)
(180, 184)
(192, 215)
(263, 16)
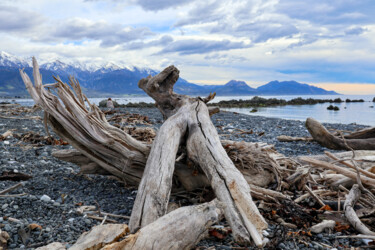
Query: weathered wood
(155, 188)
(229, 185)
(99, 236)
(366, 173)
(350, 214)
(340, 170)
(179, 229)
(326, 139)
(286, 138)
(187, 121)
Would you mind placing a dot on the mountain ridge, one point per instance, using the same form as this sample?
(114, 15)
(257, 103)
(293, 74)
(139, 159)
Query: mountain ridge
(112, 79)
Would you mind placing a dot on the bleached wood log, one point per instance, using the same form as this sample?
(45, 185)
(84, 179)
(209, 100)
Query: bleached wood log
(326, 139)
(366, 173)
(364, 158)
(286, 138)
(340, 170)
(155, 188)
(351, 216)
(99, 236)
(179, 229)
(229, 185)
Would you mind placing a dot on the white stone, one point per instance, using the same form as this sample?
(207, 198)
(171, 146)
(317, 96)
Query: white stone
(71, 220)
(6, 142)
(45, 198)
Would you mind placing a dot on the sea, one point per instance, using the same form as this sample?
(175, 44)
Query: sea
(358, 112)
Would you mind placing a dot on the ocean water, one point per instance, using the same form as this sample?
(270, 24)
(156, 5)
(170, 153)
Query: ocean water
(360, 113)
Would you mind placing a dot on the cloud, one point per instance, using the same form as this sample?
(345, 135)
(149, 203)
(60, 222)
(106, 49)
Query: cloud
(192, 46)
(153, 5)
(355, 31)
(13, 19)
(163, 41)
(150, 5)
(78, 29)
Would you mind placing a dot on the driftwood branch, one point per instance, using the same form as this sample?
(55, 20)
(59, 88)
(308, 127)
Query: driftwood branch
(350, 214)
(358, 141)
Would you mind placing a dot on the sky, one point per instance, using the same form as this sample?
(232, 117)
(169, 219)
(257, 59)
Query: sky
(330, 44)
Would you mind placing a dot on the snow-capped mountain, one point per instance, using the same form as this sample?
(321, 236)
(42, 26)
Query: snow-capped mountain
(8, 60)
(116, 79)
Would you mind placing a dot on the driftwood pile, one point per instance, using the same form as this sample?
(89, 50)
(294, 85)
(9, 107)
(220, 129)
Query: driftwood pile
(187, 155)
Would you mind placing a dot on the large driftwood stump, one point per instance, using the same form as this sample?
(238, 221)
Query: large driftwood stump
(360, 140)
(106, 149)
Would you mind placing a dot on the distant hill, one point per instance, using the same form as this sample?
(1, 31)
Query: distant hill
(236, 88)
(292, 88)
(113, 80)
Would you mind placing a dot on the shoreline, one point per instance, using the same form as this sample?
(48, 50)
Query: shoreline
(61, 182)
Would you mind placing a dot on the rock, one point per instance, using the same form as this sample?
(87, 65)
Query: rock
(45, 198)
(8, 228)
(4, 206)
(71, 220)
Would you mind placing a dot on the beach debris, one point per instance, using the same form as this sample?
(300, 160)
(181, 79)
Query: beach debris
(6, 134)
(4, 237)
(99, 236)
(14, 176)
(351, 215)
(286, 138)
(35, 138)
(129, 118)
(145, 134)
(54, 246)
(14, 187)
(359, 140)
(325, 224)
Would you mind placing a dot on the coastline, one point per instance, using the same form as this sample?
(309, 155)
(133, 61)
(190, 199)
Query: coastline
(58, 179)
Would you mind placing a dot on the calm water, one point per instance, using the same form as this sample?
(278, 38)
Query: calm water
(360, 113)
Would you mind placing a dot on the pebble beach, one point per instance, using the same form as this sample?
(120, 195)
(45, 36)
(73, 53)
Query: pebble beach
(51, 196)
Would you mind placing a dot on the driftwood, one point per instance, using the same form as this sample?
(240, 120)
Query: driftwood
(286, 138)
(187, 127)
(350, 214)
(340, 170)
(361, 140)
(180, 229)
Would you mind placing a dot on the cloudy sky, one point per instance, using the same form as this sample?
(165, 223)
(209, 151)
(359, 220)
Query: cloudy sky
(328, 43)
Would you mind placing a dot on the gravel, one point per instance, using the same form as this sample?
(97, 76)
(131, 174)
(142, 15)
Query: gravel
(56, 189)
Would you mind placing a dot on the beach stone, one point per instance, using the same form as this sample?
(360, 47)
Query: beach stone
(45, 198)
(4, 206)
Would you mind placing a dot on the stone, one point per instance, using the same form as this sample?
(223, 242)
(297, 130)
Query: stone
(45, 198)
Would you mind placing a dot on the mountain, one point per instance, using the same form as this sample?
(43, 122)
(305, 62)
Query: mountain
(234, 87)
(292, 88)
(111, 79)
